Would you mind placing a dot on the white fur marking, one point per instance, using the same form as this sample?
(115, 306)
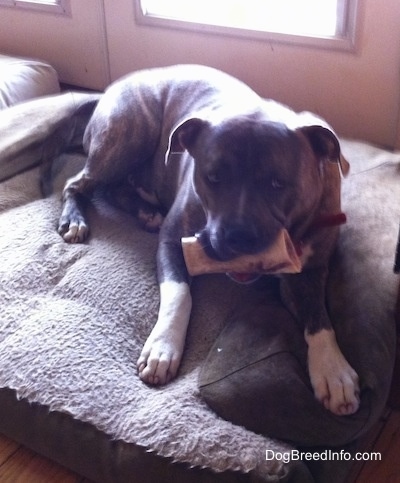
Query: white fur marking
(175, 303)
(160, 358)
(334, 381)
(307, 252)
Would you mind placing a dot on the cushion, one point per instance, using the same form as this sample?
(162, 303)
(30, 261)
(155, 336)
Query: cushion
(23, 79)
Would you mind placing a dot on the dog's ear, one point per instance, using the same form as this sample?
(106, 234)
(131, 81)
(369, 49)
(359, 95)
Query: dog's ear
(184, 135)
(326, 146)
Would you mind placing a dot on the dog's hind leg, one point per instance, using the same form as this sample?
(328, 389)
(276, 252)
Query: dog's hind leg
(68, 136)
(72, 224)
(137, 202)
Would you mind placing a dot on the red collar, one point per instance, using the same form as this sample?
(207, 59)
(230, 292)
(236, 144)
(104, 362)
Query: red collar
(324, 221)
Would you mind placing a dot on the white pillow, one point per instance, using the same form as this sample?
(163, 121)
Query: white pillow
(23, 79)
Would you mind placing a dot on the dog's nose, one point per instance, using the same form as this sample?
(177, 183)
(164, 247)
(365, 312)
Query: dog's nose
(242, 238)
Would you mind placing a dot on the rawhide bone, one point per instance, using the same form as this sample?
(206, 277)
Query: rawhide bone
(280, 257)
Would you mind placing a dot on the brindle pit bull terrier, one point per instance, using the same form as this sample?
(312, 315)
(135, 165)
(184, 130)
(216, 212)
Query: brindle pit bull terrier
(234, 169)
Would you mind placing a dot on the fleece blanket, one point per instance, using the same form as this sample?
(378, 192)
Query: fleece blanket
(74, 319)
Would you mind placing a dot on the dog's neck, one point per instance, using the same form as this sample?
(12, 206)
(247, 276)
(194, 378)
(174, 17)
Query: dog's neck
(321, 221)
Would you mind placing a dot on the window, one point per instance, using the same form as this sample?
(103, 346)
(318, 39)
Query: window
(54, 6)
(313, 22)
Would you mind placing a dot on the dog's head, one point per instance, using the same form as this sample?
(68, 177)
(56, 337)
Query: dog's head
(254, 177)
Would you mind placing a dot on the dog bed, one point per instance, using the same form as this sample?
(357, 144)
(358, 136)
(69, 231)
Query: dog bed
(74, 318)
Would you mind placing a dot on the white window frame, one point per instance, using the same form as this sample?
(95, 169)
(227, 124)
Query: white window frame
(345, 39)
(62, 7)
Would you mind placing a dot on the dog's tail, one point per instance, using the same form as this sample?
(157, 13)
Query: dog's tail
(66, 137)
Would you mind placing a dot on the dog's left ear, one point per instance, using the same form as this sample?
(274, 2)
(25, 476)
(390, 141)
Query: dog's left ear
(184, 135)
(326, 146)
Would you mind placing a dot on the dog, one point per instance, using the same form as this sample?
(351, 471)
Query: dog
(206, 151)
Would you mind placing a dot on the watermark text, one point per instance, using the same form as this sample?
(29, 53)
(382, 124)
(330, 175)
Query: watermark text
(326, 455)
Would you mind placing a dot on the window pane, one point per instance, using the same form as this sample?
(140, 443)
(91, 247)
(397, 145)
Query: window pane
(298, 17)
(53, 6)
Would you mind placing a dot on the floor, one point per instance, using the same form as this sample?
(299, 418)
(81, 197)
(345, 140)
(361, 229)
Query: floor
(20, 465)
(383, 443)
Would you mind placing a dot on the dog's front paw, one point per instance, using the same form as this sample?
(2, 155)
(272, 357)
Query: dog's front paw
(73, 229)
(160, 358)
(334, 381)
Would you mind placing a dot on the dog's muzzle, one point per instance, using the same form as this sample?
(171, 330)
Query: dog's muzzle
(231, 240)
(230, 243)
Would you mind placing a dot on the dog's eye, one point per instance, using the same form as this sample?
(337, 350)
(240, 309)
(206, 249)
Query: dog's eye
(277, 184)
(213, 178)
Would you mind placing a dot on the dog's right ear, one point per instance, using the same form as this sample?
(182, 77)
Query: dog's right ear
(184, 136)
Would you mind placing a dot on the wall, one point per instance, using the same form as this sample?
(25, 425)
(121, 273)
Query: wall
(358, 93)
(75, 45)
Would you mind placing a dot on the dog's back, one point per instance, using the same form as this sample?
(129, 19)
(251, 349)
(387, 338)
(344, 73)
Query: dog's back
(161, 99)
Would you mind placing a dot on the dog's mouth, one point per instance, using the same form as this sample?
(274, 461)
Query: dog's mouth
(211, 252)
(244, 278)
